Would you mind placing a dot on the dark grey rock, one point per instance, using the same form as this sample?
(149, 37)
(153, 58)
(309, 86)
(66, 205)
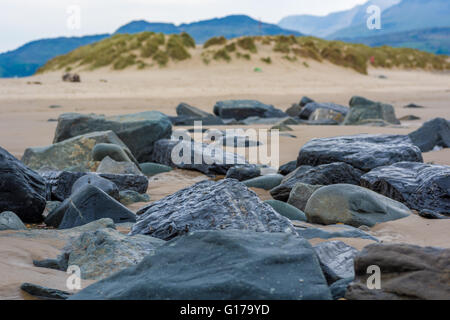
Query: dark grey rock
(50, 264)
(294, 110)
(111, 166)
(71, 77)
(22, 190)
(138, 131)
(151, 169)
(326, 174)
(232, 141)
(433, 133)
(305, 100)
(128, 197)
(362, 109)
(184, 109)
(326, 114)
(309, 109)
(339, 288)
(364, 152)
(409, 117)
(352, 205)
(190, 121)
(287, 168)
(242, 109)
(90, 204)
(10, 221)
(109, 187)
(323, 122)
(220, 265)
(414, 106)
(243, 172)
(44, 293)
(286, 210)
(407, 272)
(208, 205)
(428, 214)
(267, 182)
(419, 186)
(300, 194)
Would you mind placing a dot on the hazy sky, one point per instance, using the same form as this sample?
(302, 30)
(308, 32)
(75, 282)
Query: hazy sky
(25, 20)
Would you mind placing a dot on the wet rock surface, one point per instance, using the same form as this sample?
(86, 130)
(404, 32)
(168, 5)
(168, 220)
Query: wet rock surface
(433, 133)
(419, 186)
(363, 152)
(223, 265)
(208, 205)
(287, 168)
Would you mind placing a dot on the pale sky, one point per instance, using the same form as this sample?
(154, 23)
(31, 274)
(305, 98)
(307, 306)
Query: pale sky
(24, 20)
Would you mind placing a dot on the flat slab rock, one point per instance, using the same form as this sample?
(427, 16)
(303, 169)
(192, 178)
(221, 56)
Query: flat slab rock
(208, 205)
(419, 186)
(363, 152)
(407, 272)
(220, 265)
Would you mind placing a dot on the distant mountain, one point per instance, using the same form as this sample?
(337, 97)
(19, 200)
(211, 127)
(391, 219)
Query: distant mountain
(324, 26)
(25, 60)
(230, 27)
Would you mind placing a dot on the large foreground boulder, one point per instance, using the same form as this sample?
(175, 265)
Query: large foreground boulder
(434, 133)
(364, 151)
(75, 152)
(190, 155)
(326, 174)
(220, 265)
(352, 205)
(242, 109)
(208, 205)
(363, 110)
(407, 272)
(419, 186)
(22, 190)
(138, 131)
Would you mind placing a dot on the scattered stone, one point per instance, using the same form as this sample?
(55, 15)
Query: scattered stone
(184, 109)
(294, 110)
(419, 186)
(243, 172)
(111, 166)
(409, 117)
(107, 186)
(305, 100)
(44, 293)
(286, 210)
(73, 152)
(433, 133)
(407, 272)
(242, 109)
(428, 214)
(352, 205)
(365, 109)
(287, 168)
(208, 205)
(128, 197)
(69, 77)
(326, 174)
(267, 182)
(364, 152)
(138, 131)
(414, 106)
(336, 260)
(258, 120)
(22, 190)
(300, 194)
(55, 107)
(324, 122)
(151, 169)
(10, 221)
(220, 265)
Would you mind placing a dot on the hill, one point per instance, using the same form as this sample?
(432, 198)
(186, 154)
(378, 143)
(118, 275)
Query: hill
(149, 49)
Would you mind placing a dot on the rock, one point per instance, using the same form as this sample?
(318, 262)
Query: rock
(419, 186)
(151, 169)
(339, 288)
(22, 190)
(326, 114)
(10, 221)
(287, 168)
(111, 166)
(428, 214)
(407, 272)
(286, 210)
(208, 205)
(242, 109)
(300, 194)
(101, 253)
(114, 151)
(305, 100)
(138, 131)
(311, 107)
(409, 117)
(294, 110)
(236, 141)
(73, 152)
(243, 172)
(433, 133)
(128, 197)
(364, 109)
(44, 293)
(281, 128)
(60, 183)
(107, 186)
(208, 159)
(325, 174)
(69, 77)
(90, 204)
(336, 259)
(190, 121)
(259, 120)
(352, 205)
(283, 125)
(312, 231)
(183, 109)
(220, 265)
(265, 182)
(50, 206)
(324, 122)
(363, 152)
(415, 106)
